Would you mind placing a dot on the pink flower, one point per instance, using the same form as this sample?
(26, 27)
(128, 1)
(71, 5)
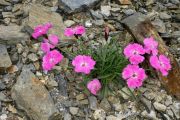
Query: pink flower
(45, 47)
(79, 30)
(51, 59)
(134, 75)
(41, 30)
(83, 64)
(94, 86)
(69, 32)
(53, 39)
(150, 46)
(161, 63)
(134, 52)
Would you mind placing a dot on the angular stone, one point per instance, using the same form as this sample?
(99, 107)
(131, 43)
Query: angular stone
(159, 106)
(73, 110)
(105, 105)
(71, 6)
(5, 61)
(39, 14)
(12, 35)
(3, 2)
(125, 2)
(164, 16)
(31, 96)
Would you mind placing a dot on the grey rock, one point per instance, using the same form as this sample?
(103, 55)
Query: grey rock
(167, 117)
(96, 14)
(98, 22)
(164, 16)
(71, 6)
(99, 114)
(175, 1)
(150, 115)
(2, 97)
(105, 105)
(159, 106)
(69, 23)
(88, 23)
(168, 100)
(67, 116)
(111, 117)
(62, 85)
(29, 67)
(2, 85)
(92, 102)
(3, 117)
(170, 112)
(159, 25)
(149, 2)
(73, 110)
(12, 35)
(129, 12)
(33, 57)
(4, 2)
(176, 34)
(5, 61)
(54, 9)
(176, 109)
(8, 8)
(31, 96)
(7, 15)
(45, 15)
(105, 10)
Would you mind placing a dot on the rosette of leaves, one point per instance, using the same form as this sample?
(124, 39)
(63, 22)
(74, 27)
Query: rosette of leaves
(110, 62)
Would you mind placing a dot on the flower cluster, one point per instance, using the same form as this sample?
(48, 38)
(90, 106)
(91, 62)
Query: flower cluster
(78, 30)
(40, 30)
(51, 57)
(134, 52)
(83, 63)
(160, 63)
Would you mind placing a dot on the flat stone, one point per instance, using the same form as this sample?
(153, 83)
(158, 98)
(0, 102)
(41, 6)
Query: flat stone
(125, 2)
(71, 6)
(33, 57)
(3, 2)
(73, 110)
(39, 14)
(159, 25)
(69, 23)
(92, 102)
(12, 35)
(99, 114)
(111, 117)
(159, 106)
(164, 16)
(105, 10)
(31, 96)
(105, 105)
(2, 97)
(5, 61)
(149, 2)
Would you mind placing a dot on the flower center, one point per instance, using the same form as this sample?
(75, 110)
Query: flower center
(161, 63)
(83, 64)
(134, 75)
(135, 52)
(51, 60)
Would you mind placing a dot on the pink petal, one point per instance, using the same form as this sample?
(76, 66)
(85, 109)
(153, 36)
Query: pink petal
(79, 30)
(53, 39)
(136, 59)
(69, 32)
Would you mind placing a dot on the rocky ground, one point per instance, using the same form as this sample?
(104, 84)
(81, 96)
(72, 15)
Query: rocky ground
(26, 93)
